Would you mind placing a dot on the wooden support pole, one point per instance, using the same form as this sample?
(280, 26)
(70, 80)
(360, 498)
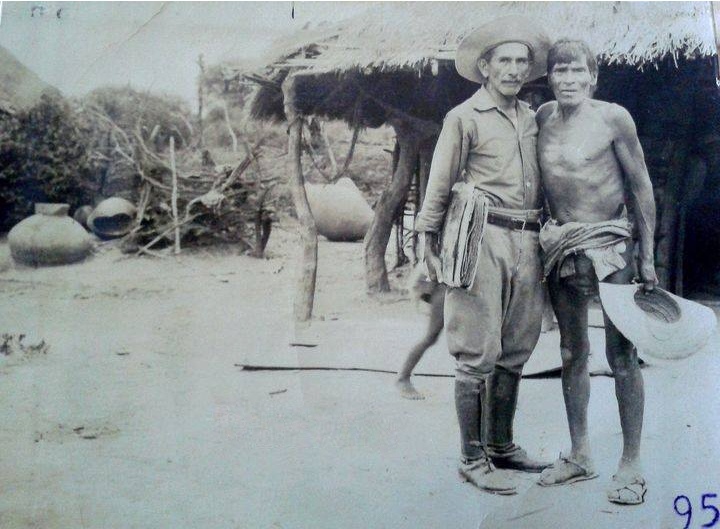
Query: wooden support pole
(201, 100)
(426, 153)
(328, 148)
(427, 148)
(174, 196)
(307, 267)
(388, 207)
(228, 124)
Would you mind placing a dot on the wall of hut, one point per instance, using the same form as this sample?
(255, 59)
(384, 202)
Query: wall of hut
(675, 105)
(676, 110)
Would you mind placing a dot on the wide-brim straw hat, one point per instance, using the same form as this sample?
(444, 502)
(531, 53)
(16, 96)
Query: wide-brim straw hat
(502, 30)
(658, 323)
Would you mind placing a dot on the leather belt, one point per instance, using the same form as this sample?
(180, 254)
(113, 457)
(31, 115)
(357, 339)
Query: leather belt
(512, 222)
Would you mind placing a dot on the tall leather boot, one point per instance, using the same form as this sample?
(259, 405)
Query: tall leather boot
(475, 465)
(502, 394)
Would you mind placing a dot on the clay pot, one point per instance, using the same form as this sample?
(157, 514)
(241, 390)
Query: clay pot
(112, 218)
(341, 212)
(82, 214)
(49, 237)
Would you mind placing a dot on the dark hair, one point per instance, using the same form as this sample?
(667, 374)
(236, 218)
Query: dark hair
(566, 51)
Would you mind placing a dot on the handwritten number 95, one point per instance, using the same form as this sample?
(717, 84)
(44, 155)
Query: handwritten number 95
(683, 507)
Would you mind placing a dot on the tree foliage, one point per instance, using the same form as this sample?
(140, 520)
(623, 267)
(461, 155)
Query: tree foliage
(115, 142)
(43, 158)
(155, 117)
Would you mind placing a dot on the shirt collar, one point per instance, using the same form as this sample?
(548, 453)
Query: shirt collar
(482, 101)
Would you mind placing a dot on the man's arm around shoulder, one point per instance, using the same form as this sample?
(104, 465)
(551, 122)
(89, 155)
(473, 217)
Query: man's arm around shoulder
(544, 112)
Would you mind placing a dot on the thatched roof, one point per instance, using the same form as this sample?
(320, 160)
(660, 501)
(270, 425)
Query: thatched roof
(400, 35)
(420, 39)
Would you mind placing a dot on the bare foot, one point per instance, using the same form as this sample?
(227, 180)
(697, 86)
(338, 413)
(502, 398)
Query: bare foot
(407, 390)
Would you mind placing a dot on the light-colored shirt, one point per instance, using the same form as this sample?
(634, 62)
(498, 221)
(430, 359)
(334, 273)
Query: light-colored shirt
(480, 144)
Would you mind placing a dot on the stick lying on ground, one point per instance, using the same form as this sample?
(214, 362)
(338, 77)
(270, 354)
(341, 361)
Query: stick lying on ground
(551, 373)
(251, 367)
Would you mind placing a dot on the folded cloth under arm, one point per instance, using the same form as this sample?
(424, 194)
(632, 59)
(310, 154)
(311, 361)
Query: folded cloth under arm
(602, 242)
(462, 235)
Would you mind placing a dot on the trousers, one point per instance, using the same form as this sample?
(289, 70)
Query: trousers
(497, 322)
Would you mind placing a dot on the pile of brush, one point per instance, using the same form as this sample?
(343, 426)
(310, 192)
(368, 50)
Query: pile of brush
(226, 205)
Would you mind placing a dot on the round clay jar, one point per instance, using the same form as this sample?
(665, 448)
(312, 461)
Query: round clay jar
(49, 237)
(112, 218)
(341, 212)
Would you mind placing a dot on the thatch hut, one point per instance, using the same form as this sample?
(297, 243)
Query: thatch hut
(394, 65)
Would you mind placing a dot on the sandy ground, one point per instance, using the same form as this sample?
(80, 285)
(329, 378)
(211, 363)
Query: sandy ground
(137, 416)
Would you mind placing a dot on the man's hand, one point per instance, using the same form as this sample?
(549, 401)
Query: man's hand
(647, 275)
(432, 261)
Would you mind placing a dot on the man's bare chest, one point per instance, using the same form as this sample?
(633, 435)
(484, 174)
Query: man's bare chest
(576, 148)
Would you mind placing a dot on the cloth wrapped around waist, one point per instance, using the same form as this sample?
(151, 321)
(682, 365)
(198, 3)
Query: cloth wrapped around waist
(602, 242)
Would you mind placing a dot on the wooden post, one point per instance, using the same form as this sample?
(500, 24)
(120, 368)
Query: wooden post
(174, 196)
(328, 148)
(307, 268)
(387, 208)
(201, 80)
(427, 148)
(426, 153)
(228, 124)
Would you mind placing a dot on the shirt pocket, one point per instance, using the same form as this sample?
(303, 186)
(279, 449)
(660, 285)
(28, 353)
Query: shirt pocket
(495, 154)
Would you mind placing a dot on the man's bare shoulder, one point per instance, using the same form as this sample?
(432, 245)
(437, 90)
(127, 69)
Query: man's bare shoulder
(545, 111)
(617, 118)
(614, 115)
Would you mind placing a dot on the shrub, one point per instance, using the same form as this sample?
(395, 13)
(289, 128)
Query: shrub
(42, 159)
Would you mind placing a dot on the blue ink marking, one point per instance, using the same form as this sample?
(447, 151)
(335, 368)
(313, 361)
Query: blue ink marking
(704, 504)
(710, 507)
(687, 512)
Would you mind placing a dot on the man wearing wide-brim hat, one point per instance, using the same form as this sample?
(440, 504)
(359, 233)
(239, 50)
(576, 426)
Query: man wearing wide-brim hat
(492, 326)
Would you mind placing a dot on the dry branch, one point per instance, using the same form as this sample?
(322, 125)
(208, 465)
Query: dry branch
(206, 206)
(167, 232)
(174, 196)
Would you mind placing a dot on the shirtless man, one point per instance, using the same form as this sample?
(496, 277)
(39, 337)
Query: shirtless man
(589, 154)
